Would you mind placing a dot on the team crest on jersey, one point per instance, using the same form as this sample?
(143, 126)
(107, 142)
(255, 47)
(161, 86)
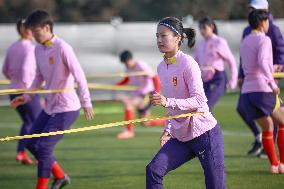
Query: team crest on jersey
(51, 60)
(175, 80)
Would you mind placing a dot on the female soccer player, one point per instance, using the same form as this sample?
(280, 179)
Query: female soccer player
(58, 67)
(259, 96)
(138, 100)
(20, 68)
(211, 54)
(184, 138)
(274, 33)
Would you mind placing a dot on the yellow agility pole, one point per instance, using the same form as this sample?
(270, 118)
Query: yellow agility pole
(96, 86)
(96, 127)
(111, 87)
(120, 74)
(31, 91)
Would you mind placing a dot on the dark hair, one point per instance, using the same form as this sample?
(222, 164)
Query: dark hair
(125, 56)
(256, 17)
(20, 23)
(39, 18)
(178, 29)
(206, 21)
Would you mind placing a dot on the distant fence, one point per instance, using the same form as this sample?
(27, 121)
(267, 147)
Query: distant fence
(98, 44)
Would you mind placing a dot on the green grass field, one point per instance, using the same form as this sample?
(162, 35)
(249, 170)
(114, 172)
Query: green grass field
(97, 160)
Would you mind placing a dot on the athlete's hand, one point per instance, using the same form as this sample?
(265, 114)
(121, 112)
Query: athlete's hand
(164, 138)
(18, 101)
(157, 99)
(277, 67)
(240, 83)
(276, 91)
(89, 113)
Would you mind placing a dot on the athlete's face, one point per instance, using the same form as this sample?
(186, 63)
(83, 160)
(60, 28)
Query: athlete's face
(266, 26)
(206, 30)
(130, 63)
(167, 40)
(41, 33)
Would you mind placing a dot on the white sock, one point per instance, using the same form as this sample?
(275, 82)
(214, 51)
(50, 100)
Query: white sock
(258, 138)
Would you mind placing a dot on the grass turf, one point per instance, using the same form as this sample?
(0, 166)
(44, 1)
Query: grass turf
(97, 160)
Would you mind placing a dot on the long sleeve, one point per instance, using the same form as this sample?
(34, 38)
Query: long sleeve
(5, 67)
(192, 77)
(196, 54)
(168, 126)
(28, 68)
(226, 53)
(264, 58)
(70, 59)
(241, 74)
(124, 81)
(37, 82)
(277, 45)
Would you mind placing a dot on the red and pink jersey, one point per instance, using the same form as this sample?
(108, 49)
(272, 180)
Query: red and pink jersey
(145, 82)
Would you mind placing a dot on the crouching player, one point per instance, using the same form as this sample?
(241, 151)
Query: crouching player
(138, 100)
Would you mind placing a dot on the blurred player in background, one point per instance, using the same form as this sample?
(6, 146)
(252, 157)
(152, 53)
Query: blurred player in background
(59, 68)
(275, 35)
(212, 53)
(138, 100)
(259, 97)
(20, 68)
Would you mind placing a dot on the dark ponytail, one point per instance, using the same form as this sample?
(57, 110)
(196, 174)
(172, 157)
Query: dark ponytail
(206, 21)
(176, 26)
(190, 35)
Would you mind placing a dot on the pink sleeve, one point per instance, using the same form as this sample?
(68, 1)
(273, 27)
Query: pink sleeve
(168, 126)
(5, 67)
(28, 68)
(37, 82)
(225, 52)
(147, 78)
(75, 68)
(196, 54)
(197, 99)
(264, 59)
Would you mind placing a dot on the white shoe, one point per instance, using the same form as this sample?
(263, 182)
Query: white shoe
(281, 168)
(125, 134)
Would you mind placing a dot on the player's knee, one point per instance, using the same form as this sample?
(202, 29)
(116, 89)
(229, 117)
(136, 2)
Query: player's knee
(31, 146)
(153, 170)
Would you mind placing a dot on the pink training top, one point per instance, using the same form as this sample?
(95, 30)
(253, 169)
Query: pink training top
(58, 66)
(145, 82)
(257, 63)
(19, 64)
(182, 86)
(212, 53)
